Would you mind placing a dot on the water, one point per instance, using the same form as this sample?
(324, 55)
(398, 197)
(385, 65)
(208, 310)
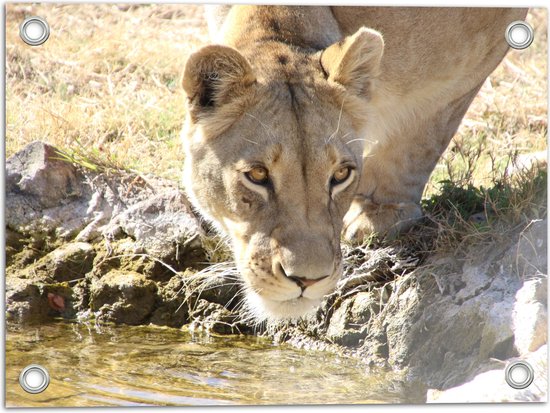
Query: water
(136, 366)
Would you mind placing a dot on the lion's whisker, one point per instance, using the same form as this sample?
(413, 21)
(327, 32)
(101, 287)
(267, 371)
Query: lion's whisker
(338, 125)
(270, 134)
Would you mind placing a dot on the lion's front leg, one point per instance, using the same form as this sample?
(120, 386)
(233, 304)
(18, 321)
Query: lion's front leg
(388, 200)
(396, 170)
(365, 217)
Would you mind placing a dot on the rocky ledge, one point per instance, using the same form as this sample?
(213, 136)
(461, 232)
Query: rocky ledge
(127, 248)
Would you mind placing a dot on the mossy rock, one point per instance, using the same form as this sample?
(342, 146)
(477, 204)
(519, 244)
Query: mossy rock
(123, 297)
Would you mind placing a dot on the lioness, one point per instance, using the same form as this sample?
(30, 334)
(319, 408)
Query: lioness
(306, 121)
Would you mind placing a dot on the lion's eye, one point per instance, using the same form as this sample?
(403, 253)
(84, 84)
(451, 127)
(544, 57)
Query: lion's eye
(258, 175)
(340, 175)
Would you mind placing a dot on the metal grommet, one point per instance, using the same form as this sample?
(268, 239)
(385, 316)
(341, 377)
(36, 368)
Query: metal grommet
(519, 35)
(34, 379)
(519, 374)
(34, 31)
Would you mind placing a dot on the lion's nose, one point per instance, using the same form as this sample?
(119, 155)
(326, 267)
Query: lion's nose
(302, 282)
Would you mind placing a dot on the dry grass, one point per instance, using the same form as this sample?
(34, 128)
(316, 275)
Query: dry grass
(508, 118)
(106, 82)
(492, 180)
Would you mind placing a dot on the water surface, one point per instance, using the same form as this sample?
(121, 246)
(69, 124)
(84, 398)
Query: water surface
(135, 366)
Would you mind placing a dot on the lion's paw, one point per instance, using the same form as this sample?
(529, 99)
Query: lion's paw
(366, 218)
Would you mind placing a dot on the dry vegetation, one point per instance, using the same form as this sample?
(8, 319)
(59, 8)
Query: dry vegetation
(105, 88)
(492, 180)
(508, 117)
(105, 84)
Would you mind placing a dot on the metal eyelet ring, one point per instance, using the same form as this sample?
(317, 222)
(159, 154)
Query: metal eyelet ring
(34, 31)
(34, 379)
(519, 35)
(519, 375)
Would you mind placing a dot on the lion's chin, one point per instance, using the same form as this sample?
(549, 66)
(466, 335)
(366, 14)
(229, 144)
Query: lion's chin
(264, 309)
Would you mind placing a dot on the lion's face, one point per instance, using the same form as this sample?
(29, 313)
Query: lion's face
(273, 161)
(279, 184)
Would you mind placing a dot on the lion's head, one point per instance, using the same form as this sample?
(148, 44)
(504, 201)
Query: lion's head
(273, 155)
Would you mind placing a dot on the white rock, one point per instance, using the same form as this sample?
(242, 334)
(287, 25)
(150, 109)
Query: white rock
(491, 386)
(530, 316)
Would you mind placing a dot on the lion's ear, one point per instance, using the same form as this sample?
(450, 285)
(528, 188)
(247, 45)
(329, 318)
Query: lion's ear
(213, 76)
(354, 61)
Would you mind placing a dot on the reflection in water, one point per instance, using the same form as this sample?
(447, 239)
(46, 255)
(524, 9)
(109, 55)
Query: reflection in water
(137, 366)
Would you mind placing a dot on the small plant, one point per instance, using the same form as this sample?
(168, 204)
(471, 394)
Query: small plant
(91, 159)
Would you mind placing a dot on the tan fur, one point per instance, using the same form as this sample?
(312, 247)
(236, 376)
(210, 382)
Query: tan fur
(305, 92)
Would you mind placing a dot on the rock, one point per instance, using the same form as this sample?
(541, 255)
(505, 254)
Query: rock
(123, 297)
(347, 325)
(27, 252)
(25, 302)
(530, 316)
(40, 172)
(339, 323)
(442, 338)
(44, 194)
(215, 318)
(445, 321)
(47, 197)
(217, 289)
(65, 221)
(163, 225)
(44, 289)
(491, 386)
(30, 302)
(442, 333)
(124, 254)
(173, 310)
(69, 262)
(529, 257)
(81, 297)
(14, 242)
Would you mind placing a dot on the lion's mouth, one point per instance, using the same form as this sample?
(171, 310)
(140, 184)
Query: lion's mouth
(277, 296)
(297, 302)
(303, 283)
(268, 309)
